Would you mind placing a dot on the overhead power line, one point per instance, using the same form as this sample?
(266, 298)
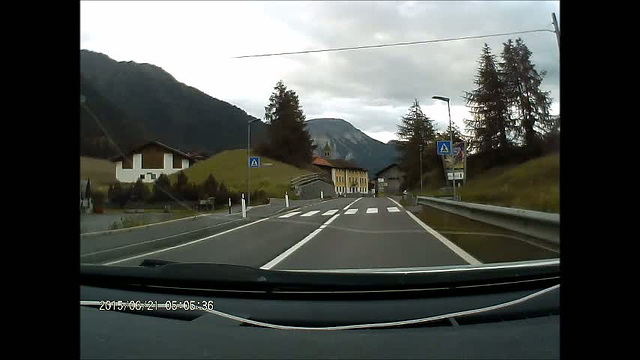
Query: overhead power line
(389, 45)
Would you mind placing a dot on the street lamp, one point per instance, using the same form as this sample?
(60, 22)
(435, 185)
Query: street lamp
(453, 175)
(248, 158)
(420, 168)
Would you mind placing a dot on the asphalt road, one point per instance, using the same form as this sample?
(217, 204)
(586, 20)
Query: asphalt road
(335, 234)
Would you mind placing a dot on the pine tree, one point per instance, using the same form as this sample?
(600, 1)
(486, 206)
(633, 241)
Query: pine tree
(527, 102)
(288, 139)
(162, 188)
(210, 187)
(491, 125)
(417, 136)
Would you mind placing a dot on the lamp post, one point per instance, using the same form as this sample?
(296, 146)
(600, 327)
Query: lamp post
(420, 168)
(453, 175)
(248, 158)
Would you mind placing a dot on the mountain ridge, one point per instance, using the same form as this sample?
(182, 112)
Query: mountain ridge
(350, 143)
(167, 109)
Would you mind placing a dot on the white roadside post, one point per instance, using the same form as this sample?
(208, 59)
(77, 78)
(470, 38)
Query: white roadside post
(244, 208)
(286, 199)
(321, 195)
(229, 205)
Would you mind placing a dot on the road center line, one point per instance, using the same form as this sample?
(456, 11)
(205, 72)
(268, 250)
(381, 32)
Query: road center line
(295, 247)
(353, 202)
(186, 244)
(158, 239)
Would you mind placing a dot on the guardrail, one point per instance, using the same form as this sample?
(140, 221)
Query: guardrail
(538, 224)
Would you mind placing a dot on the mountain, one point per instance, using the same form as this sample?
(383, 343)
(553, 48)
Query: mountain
(153, 103)
(349, 143)
(102, 124)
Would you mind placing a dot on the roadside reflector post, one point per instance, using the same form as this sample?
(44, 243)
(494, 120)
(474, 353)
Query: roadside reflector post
(244, 208)
(229, 205)
(286, 199)
(321, 195)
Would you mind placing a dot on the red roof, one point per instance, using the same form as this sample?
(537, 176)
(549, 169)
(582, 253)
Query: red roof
(321, 162)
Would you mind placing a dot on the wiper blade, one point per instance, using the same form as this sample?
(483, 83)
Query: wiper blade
(209, 276)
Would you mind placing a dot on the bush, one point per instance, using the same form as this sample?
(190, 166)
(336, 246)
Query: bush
(161, 189)
(222, 196)
(119, 194)
(140, 191)
(259, 197)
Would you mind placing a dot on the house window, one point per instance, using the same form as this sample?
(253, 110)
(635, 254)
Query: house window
(142, 176)
(152, 176)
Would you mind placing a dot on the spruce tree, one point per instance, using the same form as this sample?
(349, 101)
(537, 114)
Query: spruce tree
(289, 141)
(491, 125)
(526, 101)
(417, 136)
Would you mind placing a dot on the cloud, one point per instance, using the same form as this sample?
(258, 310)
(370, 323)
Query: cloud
(371, 88)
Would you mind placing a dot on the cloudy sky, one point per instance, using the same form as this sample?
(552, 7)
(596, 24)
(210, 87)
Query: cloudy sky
(196, 42)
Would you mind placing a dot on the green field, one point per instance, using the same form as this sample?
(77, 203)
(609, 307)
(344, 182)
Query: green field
(101, 172)
(533, 185)
(230, 167)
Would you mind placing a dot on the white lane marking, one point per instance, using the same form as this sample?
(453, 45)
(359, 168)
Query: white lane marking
(185, 244)
(351, 211)
(295, 247)
(330, 212)
(311, 213)
(463, 254)
(372, 210)
(395, 202)
(393, 209)
(353, 202)
(289, 214)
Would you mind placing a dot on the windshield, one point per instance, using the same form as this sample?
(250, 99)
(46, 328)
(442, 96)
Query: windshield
(319, 136)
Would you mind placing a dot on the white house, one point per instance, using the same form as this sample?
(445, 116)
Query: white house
(149, 161)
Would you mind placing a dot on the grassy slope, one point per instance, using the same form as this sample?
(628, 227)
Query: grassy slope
(533, 185)
(101, 172)
(230, 167)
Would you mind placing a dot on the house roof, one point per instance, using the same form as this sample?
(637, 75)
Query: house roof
(154, 142)
(336, 163)
(387, 168)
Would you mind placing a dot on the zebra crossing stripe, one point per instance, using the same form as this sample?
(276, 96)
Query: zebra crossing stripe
(311, 213)
(393, 209)
(372, 210)
(289, 214)
(351, 211)
(330, 212)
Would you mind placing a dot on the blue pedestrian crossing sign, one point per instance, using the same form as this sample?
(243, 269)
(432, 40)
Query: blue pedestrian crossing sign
(254, 161)
(444, 147)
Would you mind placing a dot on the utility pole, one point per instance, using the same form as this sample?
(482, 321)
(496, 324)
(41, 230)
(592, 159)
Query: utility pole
(557, 30)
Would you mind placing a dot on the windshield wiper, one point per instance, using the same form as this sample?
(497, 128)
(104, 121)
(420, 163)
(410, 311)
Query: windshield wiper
(210, 276)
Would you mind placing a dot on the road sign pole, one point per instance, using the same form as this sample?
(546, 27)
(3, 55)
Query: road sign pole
(453, 175)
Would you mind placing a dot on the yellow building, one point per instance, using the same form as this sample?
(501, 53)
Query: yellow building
(347, 177)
